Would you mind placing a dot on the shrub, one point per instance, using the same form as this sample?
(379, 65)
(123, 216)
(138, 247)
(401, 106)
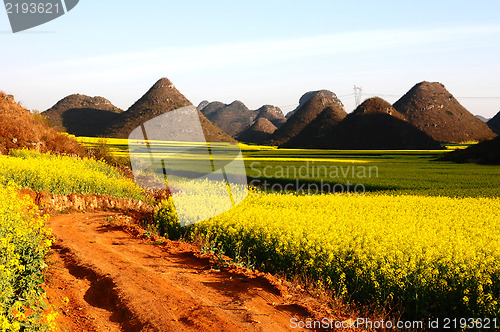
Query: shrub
(21, 129)
(100, 150)
(167, 222)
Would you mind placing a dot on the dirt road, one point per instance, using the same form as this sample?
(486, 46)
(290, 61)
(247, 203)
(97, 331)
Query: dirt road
(104, 278)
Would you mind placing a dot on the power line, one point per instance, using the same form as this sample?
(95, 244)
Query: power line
(390, 95)
(348, 95)
(478, 97)
(381, 94)
(358, 93)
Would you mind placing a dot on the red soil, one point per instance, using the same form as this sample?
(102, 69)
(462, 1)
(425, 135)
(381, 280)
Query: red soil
(117, 279)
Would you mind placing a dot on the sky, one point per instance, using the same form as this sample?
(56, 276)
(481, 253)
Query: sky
(259, 52)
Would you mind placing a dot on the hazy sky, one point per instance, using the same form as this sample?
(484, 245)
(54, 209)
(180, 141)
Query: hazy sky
(260, 52)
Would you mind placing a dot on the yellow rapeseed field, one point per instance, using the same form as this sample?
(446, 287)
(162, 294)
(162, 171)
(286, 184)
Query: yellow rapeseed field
(431, 255)
(64, 175)
(24, 241)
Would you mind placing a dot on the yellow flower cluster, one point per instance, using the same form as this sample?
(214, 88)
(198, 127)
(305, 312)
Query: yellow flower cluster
(24, 242)
(64, 175)
(432, 255)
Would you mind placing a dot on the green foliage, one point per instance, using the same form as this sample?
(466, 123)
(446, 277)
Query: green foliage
(101, 149)
(167, 222)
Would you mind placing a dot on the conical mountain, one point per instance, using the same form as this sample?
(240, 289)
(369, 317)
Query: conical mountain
(304, 115)
(232, 118)
(308, 95)
(377, 105)
(315, 132)
(494, 124)
(432, 109)
(163, 97)
(273, 114)
(82, 115)
(260, 131)
(373, 125)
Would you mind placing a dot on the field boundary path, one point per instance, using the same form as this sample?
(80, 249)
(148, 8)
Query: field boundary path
(104, 276)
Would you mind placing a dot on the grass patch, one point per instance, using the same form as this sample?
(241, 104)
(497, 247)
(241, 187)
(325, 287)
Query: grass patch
(399, 172)
(410, 172)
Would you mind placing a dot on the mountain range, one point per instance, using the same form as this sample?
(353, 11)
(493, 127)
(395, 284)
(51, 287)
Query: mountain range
(421, 119)
(374, 124)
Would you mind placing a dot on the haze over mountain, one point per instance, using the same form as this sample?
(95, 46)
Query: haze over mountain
(305, 114)
(163, 97)
(494, 123)
(260, 131)
(374, 124)
(432, 109)
(482, 118)
(82, 115)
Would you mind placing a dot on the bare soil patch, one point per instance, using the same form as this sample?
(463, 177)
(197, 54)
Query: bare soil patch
(107, 275)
